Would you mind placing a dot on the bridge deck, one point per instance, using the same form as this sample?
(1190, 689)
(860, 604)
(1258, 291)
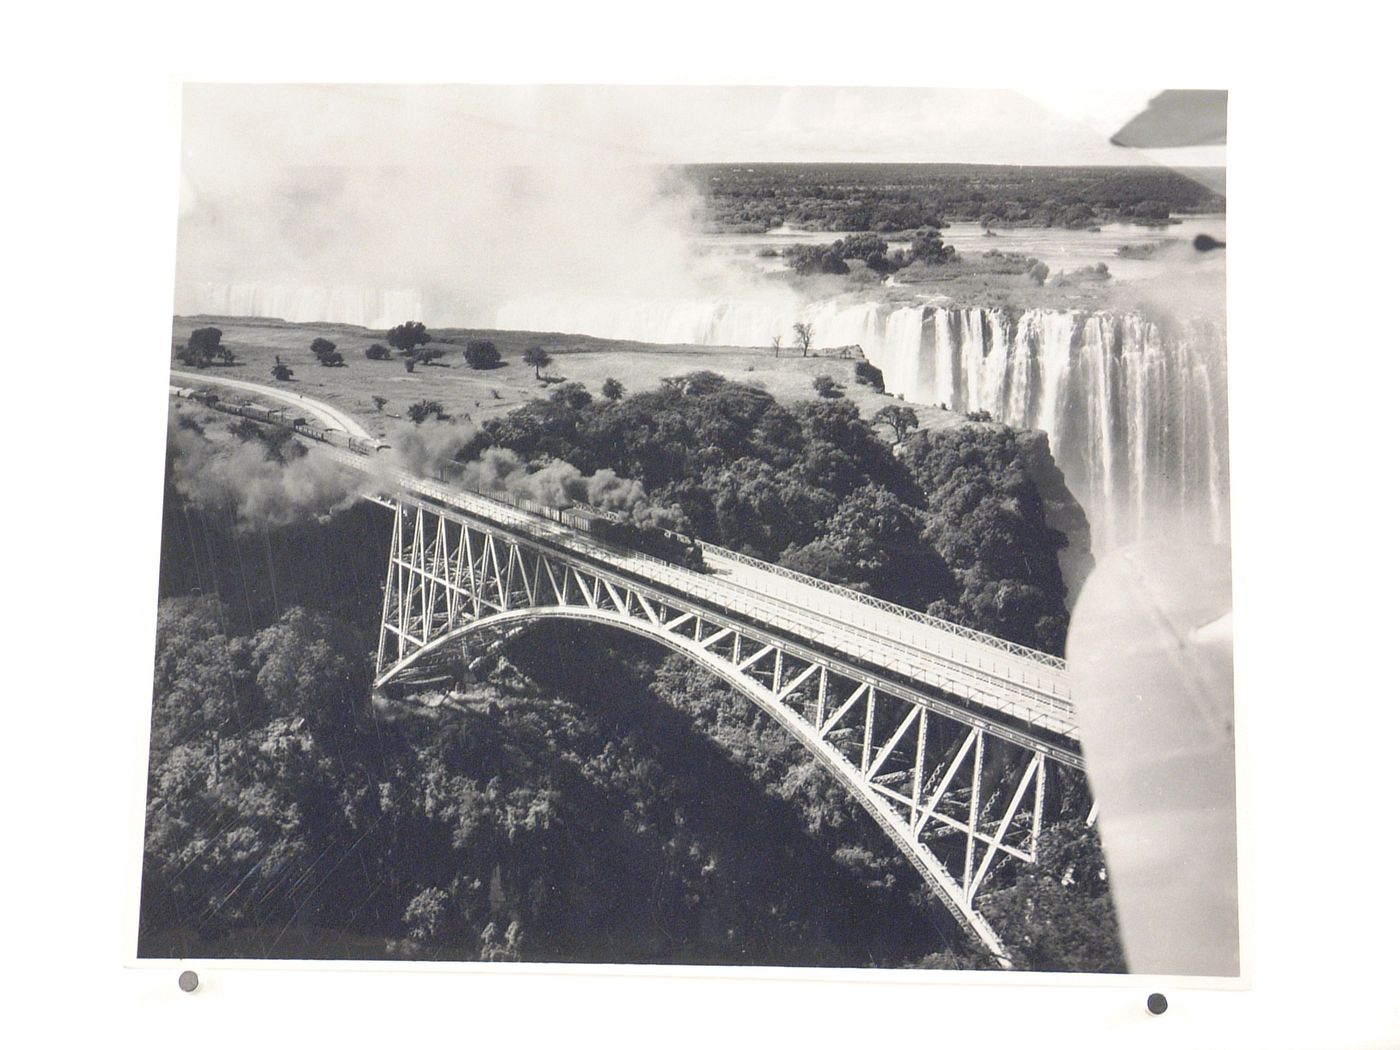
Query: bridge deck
(1013, 686)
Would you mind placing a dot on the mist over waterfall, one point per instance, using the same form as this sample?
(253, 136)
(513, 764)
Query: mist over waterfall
(343, 304)
(1134, 406)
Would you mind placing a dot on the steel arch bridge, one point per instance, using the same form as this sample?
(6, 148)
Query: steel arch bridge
(947, 742)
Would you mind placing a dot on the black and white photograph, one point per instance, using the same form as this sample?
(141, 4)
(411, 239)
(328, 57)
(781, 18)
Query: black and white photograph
(710, 525)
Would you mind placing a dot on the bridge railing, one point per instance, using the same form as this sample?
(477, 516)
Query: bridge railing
(1025, 652)
(990, 640)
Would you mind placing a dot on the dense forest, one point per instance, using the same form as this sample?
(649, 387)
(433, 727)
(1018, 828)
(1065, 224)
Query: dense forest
(585, 798)
(889, 198)
(955, 525)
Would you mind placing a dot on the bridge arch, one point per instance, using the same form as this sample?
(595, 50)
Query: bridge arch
(896, 825)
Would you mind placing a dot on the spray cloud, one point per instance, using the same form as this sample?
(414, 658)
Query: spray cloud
(457, 197)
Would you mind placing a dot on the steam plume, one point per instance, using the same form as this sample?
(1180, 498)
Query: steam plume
(241, 479)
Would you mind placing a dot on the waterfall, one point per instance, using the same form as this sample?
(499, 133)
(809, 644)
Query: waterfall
(1134, 408)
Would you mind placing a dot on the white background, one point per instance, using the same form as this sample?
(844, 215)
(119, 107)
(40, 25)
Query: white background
(91, 163)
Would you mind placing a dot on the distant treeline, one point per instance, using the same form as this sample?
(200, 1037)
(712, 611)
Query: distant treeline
(888, 198)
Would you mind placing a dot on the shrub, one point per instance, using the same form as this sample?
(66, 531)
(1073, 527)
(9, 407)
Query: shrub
(573, 395)
(868, 375)
(377, 352)
(481, 354)
(421, 410)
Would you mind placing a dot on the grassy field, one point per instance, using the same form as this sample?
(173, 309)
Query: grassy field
(480, 395)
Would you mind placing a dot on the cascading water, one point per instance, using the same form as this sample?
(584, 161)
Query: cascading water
(1134, 407)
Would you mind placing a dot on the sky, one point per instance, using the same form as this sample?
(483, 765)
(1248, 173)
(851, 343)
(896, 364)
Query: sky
(360, 123)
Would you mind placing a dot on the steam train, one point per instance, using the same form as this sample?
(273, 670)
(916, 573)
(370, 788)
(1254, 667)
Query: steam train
(284, 416)
(674, 547)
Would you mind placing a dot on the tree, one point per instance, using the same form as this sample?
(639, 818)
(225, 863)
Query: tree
(928, 247)
(1058, 914)
(206, 340)
(991, 528)
(572, 395)
(421, 410)
(538, 357)
(406, 337)
(777, 345)
(1038, 272)
(481, 354)
(872, 543)
(299, 670)
(203, 348)
(868, 375)
(281, 372)
(803, 333)
(825, 386)
(426, 355)
(380, 402)
(377, 352)
(203, 682)
(816, 258)
(860, 245)
(612, 389)
(900, 418)
(868, 247)
(327, 354)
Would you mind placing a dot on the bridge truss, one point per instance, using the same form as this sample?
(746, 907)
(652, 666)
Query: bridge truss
(960, 793)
